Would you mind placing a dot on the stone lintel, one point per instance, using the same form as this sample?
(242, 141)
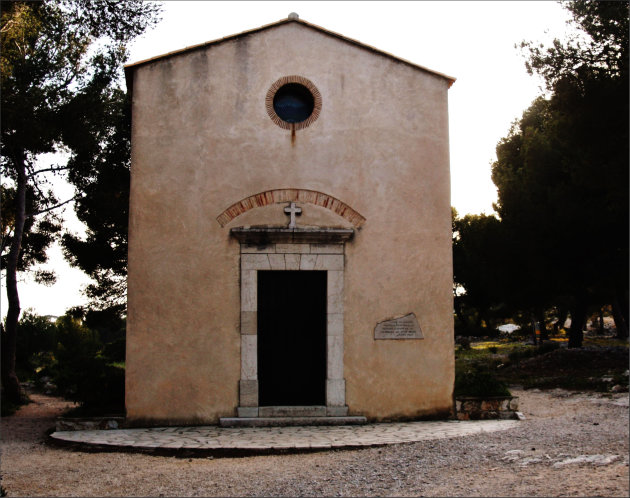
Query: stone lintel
(273, 235)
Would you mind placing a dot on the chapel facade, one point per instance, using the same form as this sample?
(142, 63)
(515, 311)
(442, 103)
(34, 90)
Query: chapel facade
(289, 232)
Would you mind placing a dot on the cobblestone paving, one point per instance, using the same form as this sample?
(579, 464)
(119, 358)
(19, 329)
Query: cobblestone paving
(272, 438)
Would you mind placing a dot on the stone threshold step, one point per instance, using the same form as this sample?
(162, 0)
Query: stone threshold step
(287, 421)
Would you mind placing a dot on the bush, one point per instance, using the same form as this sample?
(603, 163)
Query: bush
(83, 373)
(36, 339)
(80, 356)
(479, 381)
(115, 351)
(463, 342)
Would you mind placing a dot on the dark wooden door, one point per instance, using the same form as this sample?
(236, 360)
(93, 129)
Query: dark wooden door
(292, 338)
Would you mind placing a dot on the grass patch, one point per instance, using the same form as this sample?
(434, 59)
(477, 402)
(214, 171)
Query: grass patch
(599, 366)
(574, 369)
(605, 342)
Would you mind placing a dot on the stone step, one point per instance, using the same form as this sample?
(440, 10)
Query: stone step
(292, 411)
(286, 421)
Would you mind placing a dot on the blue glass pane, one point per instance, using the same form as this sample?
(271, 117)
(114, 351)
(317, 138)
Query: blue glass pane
(293, 103)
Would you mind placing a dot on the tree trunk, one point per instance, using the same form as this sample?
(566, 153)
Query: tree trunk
(540, 318)
(620, 323)
(10, 382)
(533, 322)
(460, 315)
(600, 326)
(485, 318)
(578, 319)
(562, 317)
(624, 304)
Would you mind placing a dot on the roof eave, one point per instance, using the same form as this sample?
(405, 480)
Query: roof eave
(129, 68)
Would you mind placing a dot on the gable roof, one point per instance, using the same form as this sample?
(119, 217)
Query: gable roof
(129, 68)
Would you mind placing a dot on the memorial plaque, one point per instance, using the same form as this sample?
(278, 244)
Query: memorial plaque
(404, 327)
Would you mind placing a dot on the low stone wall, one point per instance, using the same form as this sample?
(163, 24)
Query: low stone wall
(89, 423)
(495, 407)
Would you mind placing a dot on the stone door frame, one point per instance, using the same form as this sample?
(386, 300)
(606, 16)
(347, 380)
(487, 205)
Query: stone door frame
(292, 256)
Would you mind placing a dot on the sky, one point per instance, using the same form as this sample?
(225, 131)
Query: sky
(471, 41)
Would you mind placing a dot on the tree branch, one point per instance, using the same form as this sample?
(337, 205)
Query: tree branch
(54, 207)
(53, 168)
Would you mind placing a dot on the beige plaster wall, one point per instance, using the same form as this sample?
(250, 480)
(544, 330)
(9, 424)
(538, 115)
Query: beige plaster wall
(202, 140)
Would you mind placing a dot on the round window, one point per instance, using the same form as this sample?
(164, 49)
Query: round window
(293, 102)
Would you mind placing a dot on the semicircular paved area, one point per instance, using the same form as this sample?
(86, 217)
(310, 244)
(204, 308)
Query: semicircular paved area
(279, 438)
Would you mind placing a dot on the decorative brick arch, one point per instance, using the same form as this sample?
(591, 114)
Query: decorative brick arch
(277, 196)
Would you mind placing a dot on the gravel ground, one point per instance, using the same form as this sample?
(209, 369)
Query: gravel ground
(571, 444)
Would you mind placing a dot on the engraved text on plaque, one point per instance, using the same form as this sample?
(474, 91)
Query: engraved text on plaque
(404, 327)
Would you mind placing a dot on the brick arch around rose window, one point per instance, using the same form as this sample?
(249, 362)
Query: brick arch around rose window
(277, 196)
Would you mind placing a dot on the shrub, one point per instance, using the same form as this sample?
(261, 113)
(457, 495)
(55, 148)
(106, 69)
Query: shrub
(463, 342)
(115, 351)
(478, 381)
(82, 373)
(36, 339)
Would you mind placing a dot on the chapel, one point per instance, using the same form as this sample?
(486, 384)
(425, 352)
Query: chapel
(289, 233)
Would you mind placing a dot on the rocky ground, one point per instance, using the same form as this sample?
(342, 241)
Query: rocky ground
(571, 444)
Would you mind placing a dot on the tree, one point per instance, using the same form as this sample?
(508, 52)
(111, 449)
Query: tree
(562, 172)
(101, 172)
(598, 51)
(57, 59)
(479, 268)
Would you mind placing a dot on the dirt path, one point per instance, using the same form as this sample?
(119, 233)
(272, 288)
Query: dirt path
(572, 444)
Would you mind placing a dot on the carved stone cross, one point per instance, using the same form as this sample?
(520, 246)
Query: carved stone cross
(292, 210)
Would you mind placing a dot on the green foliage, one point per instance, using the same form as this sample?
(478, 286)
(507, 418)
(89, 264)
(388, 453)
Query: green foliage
(115, 351)
(83, 371)
(101, 171)
(599, 366)
(81, 352)
(481, 271)
(592, 368)
(525, 352)
(39, 232)
(602, 53)
(562, 173)
(61, 63)
(36, 340)
(478, 380)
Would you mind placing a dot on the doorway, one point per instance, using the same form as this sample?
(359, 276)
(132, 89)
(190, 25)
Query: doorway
(292, 338)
